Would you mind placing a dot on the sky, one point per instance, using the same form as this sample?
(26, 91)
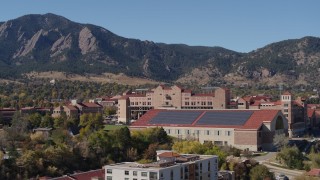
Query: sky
(237, 25)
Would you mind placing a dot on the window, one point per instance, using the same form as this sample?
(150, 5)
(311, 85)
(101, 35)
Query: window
(177, 131)
(149, 103)
(109, 177)
(144, 174)
(197, 132)
(286, 115)
(285, 110)
(135, 173)
(136, 103)
(144, 103)
(171, 175)
(135, 179)
(109, 171)
(126, 178)
(227, 133)
(153, 175)
(126, 172)
(186, 103)
(208, 132)
(203, 103)
(168, 131)
(217, 133)
(285, 105)
(210, 103)
(187, 131)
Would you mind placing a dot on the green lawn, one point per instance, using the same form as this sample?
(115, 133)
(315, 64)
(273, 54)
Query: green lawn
(113, 127)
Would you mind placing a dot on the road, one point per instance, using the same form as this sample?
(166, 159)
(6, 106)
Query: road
(290, 173)
(275, 169)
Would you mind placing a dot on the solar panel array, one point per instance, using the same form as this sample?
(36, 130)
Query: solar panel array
(174, 117)
(225, 118)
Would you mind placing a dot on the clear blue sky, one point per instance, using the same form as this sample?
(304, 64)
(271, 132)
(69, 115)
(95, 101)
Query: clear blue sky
(237, 25)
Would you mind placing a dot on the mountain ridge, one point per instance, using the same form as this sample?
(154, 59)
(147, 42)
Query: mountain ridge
(51, 42)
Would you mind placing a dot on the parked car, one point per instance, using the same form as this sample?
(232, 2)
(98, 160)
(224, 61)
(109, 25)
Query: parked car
(282, 177)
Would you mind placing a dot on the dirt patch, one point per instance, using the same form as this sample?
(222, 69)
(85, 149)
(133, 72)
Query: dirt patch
(9, 81)
(104, 78)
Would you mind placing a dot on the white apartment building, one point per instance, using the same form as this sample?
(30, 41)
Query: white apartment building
(170, 166)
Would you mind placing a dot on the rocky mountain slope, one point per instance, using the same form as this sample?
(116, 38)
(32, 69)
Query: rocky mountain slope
(53, 43)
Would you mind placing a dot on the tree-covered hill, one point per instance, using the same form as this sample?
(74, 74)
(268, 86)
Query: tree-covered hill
(53, 43)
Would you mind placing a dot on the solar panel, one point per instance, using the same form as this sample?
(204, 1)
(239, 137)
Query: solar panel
(225, 118)
(175, 117)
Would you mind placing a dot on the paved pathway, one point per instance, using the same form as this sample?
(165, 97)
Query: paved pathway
(277, 170)
(290, 173)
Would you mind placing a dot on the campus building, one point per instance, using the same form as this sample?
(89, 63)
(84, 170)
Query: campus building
(294, 110)
(169, 166)
(77, 108)
(134, 105)
(244, 129)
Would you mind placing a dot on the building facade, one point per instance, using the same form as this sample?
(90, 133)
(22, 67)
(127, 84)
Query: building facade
(170, 166)
(134, 105)
(294, 110)
(244, 129)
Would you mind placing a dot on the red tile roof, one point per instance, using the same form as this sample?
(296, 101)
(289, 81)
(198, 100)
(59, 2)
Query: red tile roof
(247, 98)
(91, 105)
(187, 91)
(71, 108)
(257, 118)
(169, 154)
(310, 112)
(314, 172)
(286, 93)
(83, 175)
(256, 103)
(313, 106)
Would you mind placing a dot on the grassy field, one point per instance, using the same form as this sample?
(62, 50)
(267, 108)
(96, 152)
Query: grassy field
(113, 127)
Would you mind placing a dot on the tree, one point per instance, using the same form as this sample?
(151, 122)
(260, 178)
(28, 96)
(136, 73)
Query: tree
(121, 142)
(151, 152)
(47, 121)
(291, 157)
(280, 141)
(35, 119)
(260, 172)
(110, 110)
(90, 123)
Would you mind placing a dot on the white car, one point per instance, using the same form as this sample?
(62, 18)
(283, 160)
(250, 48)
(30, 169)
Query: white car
(282, 177)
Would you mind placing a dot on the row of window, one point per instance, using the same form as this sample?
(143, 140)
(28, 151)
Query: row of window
(135, 173)
(140, 103)
(203, 103)
(198, 132)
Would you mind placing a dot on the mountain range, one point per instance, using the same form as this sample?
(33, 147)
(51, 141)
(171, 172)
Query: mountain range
(43, 43)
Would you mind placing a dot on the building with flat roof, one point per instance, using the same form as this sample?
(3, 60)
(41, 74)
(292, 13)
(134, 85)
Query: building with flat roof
(169, 166)
(244, 129)
(134, 105)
